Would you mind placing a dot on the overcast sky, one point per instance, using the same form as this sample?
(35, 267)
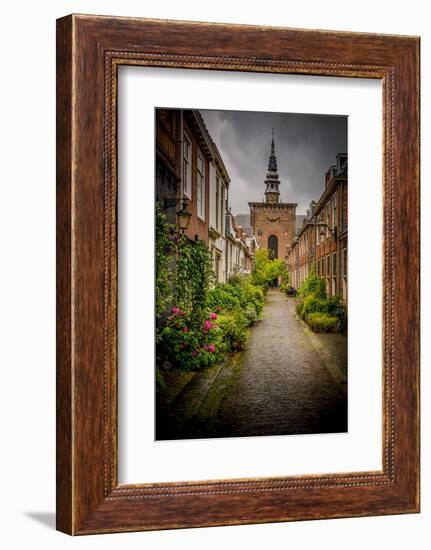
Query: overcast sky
(305, 146)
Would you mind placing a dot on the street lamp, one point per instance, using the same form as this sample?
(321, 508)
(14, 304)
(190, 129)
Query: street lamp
(332, 231)
(183, 217)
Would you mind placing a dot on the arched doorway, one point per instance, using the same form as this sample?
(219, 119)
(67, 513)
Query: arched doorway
(273, 254)
(273, 246)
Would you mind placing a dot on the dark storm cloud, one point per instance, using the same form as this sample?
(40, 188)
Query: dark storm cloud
(305, 146)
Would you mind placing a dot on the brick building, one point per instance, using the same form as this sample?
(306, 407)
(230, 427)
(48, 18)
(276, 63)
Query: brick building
(300, 253)
(218, 196)
(273, 222)
(321, 242)
(239, 248)
(189, 166)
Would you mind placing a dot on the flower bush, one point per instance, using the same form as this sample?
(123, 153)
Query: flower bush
(189, 345)
(239, 303)
(234, 330)
(197, 322)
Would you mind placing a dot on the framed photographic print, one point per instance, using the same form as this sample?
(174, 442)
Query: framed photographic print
(237, 274)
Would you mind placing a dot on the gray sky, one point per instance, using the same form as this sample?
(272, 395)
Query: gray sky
(305, 146)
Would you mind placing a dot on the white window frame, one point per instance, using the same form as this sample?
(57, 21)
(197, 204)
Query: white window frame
(200, 186)
(334, 210)
(334, 272)
(217, 201)
(187, 161)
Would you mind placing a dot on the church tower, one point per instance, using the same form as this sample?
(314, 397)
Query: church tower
(272, 193)
(273, 221)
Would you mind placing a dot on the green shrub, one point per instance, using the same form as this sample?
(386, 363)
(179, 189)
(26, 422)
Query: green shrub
(219, 297)
(254, 296)
(240, 294)
(312, 304)
(160, 381)
(300, 308)
(319, 311)
(321, 322)
(266, 269)
(233, 328)
(251, 315)
(312, 284)
(335, 306)
(235, 280)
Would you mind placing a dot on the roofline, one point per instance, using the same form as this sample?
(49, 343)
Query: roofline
(273, 204)
(211, 144)
(327, 191)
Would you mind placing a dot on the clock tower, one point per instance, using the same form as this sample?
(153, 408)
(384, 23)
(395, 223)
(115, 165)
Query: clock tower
(272, 193)
(273, 221)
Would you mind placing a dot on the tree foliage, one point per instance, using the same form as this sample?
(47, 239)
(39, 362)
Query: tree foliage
(265, 269)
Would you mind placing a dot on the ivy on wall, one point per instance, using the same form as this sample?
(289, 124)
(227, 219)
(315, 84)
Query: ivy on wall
(183, 270)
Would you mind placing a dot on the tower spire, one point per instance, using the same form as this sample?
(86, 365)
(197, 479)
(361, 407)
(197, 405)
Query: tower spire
(272, 181)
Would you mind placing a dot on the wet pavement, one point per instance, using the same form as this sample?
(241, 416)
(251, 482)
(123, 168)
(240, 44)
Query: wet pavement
(287, 381)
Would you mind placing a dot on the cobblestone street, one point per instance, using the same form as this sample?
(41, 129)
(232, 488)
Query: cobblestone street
(287, 381)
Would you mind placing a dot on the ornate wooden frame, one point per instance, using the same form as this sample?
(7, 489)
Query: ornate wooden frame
(89, 51)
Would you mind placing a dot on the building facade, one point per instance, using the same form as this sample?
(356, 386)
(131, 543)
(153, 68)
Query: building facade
(321, 242)
(273, 221)
(239, 256)
(189, 166)
(218, 197)
(300, 257)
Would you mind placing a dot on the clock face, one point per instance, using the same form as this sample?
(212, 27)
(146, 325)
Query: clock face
(273, 220)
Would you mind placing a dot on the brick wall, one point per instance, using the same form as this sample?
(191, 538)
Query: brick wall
(197, 226)
(274, 219)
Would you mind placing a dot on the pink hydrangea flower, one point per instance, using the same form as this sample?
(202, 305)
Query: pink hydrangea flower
(206, 346)
(211, 348)
(194, 353)
(213, 316)
(207, 325)
(218, 308)
(175, 310)
(186, 329)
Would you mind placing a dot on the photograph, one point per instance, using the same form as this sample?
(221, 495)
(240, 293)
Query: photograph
(251, 273)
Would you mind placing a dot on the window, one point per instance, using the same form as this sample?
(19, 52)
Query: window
(187, 167)
(334, 273)
(273, 246)
(217, 203)
(200, 186)
(217, 267)
(318, 268)
(328, 218)
(222, 210)
(340, 202)
(323, 267)
(328, 266)
(334, 210)
(344, 263)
